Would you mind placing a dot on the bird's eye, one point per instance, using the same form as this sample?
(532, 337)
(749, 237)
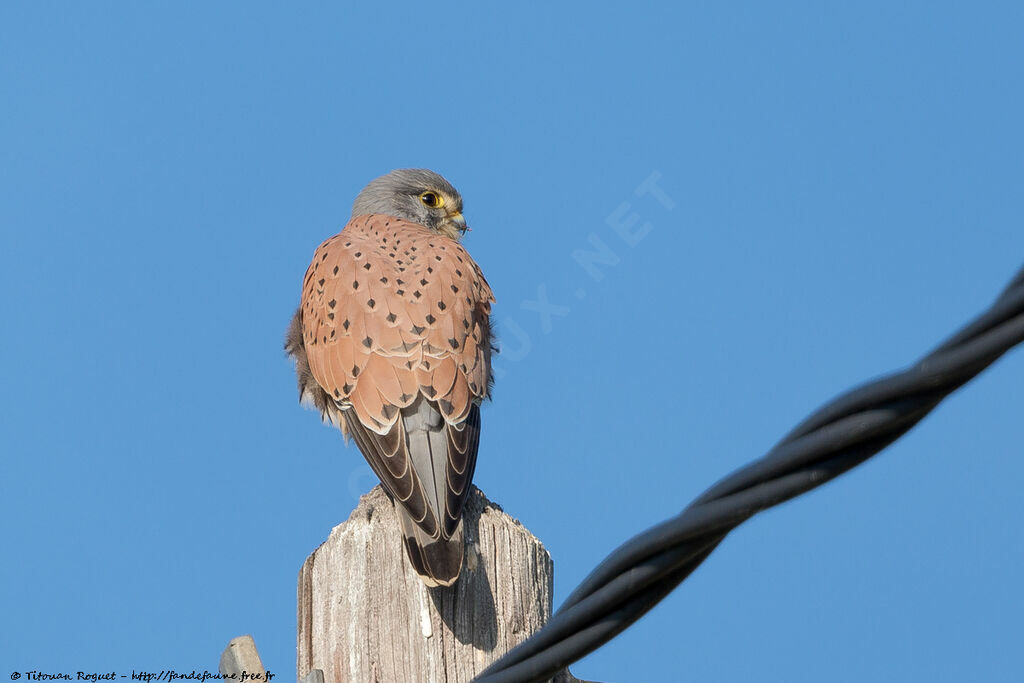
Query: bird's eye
(432, 199)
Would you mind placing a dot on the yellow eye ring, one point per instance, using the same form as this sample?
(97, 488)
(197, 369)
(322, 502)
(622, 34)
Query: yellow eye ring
(432, 199)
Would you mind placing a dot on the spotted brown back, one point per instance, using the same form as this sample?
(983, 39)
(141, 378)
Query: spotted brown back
(391, 310)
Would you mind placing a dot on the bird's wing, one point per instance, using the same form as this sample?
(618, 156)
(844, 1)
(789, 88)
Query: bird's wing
(392, 312)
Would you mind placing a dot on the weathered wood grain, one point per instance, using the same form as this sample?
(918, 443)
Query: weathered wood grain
(241, 655)
(363, 615)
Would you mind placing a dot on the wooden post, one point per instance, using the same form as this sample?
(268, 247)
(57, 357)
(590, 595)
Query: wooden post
(241, 660)
(241, 656)
(364, 615)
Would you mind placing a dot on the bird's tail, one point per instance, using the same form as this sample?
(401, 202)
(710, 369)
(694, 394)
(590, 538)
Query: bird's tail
(438, 561)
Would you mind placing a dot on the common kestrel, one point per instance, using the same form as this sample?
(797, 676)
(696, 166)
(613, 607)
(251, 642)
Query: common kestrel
(392, 343)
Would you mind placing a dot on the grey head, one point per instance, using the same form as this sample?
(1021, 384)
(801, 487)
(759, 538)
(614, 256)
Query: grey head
(417, 195)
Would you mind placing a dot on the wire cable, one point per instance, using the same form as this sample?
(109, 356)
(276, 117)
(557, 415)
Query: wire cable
(837, 437)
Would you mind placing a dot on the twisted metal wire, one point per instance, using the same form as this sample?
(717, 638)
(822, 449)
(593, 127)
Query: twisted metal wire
(837, 437)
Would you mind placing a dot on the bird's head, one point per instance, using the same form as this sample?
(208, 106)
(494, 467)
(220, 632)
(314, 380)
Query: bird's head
(417, 195)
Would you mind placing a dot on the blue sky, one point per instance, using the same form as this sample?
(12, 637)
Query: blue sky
(842, 189)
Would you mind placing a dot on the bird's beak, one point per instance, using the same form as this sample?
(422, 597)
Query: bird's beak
(459, 222)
